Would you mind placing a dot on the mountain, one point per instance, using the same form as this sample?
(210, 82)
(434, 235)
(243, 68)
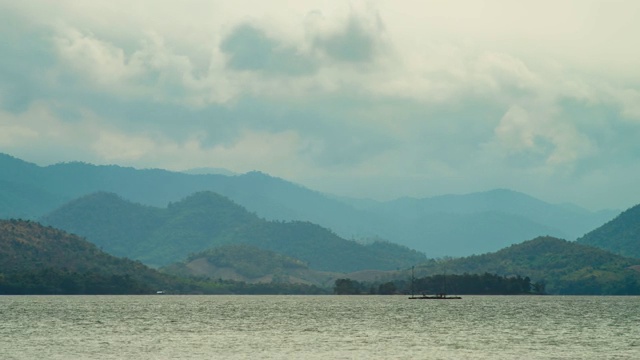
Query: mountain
(35, 259)
(159, 236)
(566, 267)
(21, 194)
(39, 259)
(269, 197)
(443, 234)
(484, 221)
(450, 225)
(620, 235)
(251, 265)
(209, 171)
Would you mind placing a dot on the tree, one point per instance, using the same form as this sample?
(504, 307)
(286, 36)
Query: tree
(388, 288)
(346, 287)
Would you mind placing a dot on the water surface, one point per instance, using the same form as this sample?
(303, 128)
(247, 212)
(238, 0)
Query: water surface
(318, 327)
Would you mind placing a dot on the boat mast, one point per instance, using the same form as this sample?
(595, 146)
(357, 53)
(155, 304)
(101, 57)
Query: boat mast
(413, 280)
(444, 282)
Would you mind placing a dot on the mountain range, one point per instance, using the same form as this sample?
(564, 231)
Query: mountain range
(35, 259)
(204, 220)
(450, 225)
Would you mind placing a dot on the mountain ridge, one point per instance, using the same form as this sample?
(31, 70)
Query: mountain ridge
(620, 235)
(399, 221)
(158, 236)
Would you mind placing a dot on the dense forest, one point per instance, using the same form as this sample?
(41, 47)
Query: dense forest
(465, 284)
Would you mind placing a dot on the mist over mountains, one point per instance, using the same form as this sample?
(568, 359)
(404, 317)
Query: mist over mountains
(238, 233)
(449, 225)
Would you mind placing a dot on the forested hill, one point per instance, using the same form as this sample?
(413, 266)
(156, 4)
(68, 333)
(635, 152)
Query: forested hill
(566, 267)
(250, 264)
(620, 235)
(39, 259)
(159, 236)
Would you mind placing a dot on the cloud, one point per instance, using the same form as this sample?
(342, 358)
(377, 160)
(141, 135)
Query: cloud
(370, 98)
(11, 135)
(540, 138)
(357, 41)
(119, 147)
(38, 130)
(250, 49)
(629, 102)
(151, 71)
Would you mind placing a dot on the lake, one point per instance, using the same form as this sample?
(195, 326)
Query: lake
(318, 327)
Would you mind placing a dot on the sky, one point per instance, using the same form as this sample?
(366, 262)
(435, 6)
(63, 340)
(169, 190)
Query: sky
(371, 99)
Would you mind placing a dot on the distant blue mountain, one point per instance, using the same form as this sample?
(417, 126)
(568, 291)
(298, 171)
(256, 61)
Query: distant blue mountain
(499, 217)
(449, 225)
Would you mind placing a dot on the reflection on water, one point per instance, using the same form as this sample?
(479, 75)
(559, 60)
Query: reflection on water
(322, 327)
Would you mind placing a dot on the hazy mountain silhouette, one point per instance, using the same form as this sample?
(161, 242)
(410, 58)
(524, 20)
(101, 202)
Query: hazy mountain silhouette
(204, 220)
(450, 225)
(459, 225)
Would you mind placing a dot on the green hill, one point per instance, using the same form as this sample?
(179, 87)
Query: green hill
(565, 267)
(35, 259)
(249, 264)
(38, 259)
(620, 235)
(159, 236)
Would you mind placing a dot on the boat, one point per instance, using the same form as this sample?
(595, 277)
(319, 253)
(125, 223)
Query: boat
(440, 296)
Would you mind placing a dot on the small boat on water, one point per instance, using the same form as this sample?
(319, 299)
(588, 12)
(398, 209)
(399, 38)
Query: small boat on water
(440, 296)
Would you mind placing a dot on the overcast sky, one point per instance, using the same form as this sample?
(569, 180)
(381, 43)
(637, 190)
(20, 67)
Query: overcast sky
(375, 99)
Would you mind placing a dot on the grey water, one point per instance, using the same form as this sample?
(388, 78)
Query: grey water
(318, 327)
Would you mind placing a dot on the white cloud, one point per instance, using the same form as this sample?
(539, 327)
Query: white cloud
(152, 70)
(539, 133)
(12, 134)
(104, 63)
(629, 101)
(112, 146)
(429, 94)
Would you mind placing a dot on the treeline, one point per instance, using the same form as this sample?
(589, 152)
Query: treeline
(51, 281)
(465, 284)
(273, 288)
